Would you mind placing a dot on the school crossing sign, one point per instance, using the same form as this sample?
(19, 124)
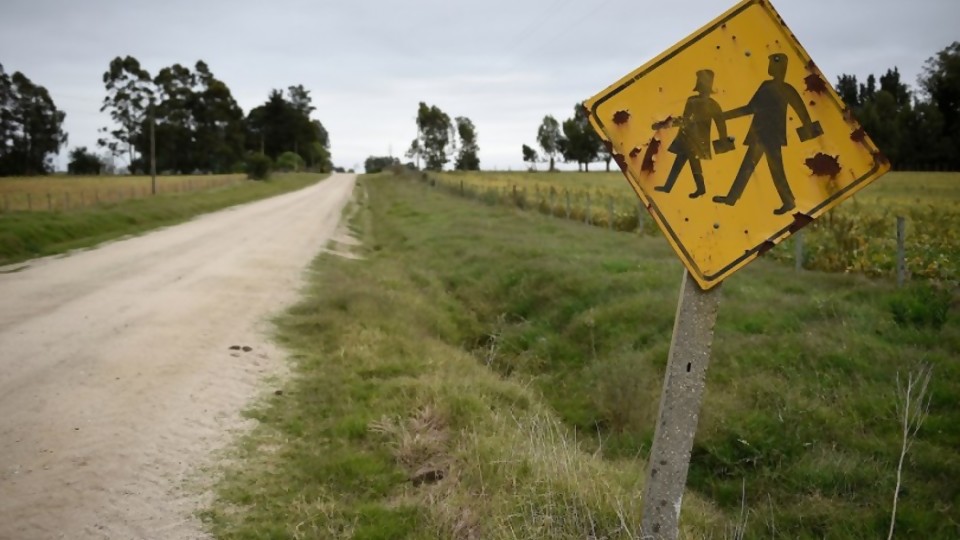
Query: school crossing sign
(734, 140)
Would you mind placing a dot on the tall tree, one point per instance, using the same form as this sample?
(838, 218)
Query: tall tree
(467, 159)
(31, 126)
(868, 90)
(272, 126)
(940, 83)
(173, 105)
(549, 137)
(891, 84)
(582, 144)
(415, 152)
(128, 100)
(530, 156)
(283, 124)
(218, 121)
(7, 124)
(848, 90)
(84, 162)
(434, 128)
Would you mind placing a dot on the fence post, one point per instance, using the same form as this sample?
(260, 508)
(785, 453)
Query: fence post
(798, 250)
(901, 252)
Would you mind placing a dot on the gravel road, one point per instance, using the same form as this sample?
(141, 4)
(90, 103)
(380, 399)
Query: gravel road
(117, 381)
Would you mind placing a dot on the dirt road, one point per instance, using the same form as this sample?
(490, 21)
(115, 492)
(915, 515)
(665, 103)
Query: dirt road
(116, 376)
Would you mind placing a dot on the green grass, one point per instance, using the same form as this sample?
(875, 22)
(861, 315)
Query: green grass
(25, 235)
(523, 357)
(859, 236)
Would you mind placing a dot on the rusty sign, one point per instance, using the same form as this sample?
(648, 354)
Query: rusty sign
(734, 140)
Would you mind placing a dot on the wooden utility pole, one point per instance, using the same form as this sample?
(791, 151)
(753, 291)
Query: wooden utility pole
(153, 154)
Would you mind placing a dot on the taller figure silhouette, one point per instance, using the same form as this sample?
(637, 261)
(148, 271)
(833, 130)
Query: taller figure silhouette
(768, 133)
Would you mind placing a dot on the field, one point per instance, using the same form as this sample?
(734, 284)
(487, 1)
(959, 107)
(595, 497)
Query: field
(487, 372)
(59, 193)
(50, 215)
(859, 236)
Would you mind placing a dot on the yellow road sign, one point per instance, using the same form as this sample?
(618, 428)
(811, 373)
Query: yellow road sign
(734, 140)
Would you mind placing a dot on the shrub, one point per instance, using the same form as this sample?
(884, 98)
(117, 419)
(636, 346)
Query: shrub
(920, 305)
(259, 167)
(289, 161)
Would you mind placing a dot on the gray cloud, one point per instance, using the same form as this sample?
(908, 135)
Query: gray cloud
(368, 63)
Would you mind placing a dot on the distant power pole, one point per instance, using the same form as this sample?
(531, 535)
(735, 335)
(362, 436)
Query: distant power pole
(153, 155)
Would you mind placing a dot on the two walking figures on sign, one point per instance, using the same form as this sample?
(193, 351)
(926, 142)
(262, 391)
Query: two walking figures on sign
(766, 136)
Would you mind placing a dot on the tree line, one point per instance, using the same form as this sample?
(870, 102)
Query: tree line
(31, 127)
(915, 130)
(196, 124)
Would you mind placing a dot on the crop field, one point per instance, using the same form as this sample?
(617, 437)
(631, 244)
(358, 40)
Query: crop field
(859, 236)
(59, 193)
(49, 215)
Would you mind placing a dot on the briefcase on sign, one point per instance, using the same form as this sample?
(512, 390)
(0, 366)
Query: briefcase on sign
(721, 146)
(810, 131)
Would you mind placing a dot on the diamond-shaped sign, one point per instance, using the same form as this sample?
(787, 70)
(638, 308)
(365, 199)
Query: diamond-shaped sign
(734, 140)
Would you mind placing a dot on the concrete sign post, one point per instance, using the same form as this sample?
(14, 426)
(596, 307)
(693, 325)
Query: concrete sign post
(679, 413)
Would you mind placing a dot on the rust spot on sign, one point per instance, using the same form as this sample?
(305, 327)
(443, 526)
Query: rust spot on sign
(800, 220)
(608, 145)
(766, 246)
(621, 117)
(858, 135)
(823, 165)
(634, 153)
(815, 83)
(652, 149)
(663, 124)
(621, 161)
(880, 158)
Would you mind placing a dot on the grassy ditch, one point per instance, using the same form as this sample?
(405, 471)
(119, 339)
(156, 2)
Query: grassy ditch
(25, 235)
(489, 373)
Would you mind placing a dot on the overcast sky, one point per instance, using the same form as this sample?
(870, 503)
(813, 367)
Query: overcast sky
(503, 64)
